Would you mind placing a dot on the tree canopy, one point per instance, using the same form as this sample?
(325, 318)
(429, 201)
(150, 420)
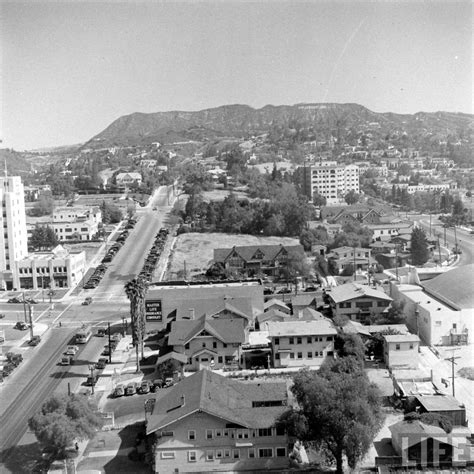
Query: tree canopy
(43, 237)
(64, 419)
(419, 247)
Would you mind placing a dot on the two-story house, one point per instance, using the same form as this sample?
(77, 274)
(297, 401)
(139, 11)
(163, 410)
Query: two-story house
(208, 423)
(401, 350)
(357, 301)
(343, 257)
(255, 259)
(208, 342)
(299, 343)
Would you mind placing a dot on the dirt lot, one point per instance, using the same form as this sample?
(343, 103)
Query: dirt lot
(221, 194)
(197, 250)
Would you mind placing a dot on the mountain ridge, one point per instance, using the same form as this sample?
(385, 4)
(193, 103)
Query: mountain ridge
(238, 120)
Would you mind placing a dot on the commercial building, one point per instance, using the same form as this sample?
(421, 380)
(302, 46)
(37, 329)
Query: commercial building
(331, 180)
(58, 268)
(13, 239)
(208, 422)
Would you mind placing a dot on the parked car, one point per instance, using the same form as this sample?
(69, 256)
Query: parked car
(119, 391)
(116, 337)
(101, 363)
(145, 386)
(169, 382)
(14, 300)
(310, 288)
(34, 341)
(106, 351)
(157, 384)
(283, 291)
(131, 389)
(87, 301)
(21, 326)
(2, 316)
(101, 332)
(31, 301)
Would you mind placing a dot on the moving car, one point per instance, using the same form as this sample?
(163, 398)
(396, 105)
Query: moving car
(71, 350)
(92, 380)
(66, 360)
(101, 363)
(101, 332)
(87, 301)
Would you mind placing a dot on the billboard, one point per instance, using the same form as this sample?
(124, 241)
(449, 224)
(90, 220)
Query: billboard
(153, 310)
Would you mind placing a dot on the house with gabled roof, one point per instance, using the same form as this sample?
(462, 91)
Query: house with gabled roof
(208, 423)
(208, 342)
(255, 259)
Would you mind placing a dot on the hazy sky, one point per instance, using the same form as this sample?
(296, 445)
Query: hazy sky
(70, 69)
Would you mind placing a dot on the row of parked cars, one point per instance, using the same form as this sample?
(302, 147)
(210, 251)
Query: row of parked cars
(143, 387)
(154, 254)
(16, 300)
(13, 360)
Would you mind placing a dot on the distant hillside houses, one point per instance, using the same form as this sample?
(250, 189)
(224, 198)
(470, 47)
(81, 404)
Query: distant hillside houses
(127, 179)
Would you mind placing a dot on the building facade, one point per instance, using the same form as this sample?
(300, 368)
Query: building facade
(401, 350)
(13, 239)
(331, 180)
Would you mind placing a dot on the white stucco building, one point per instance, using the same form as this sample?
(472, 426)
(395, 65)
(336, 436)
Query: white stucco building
(331, 180)
(13, 239)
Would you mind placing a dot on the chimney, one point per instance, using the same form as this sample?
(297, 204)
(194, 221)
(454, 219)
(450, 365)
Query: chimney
(183, 400)
(191, 313)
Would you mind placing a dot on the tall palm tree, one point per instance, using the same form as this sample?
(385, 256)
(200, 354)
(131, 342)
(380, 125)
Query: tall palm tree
(136, 291)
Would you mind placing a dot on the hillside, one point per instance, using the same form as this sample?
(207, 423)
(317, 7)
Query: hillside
(16, 163)
(238, 121)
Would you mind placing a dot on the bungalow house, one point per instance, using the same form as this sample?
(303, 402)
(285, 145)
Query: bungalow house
(421, 445)
(253, 259)
(275, 303)
(208, 342)
(401, 350)
(301, 343)
(445, 405)
(208, 423)
(357, 301)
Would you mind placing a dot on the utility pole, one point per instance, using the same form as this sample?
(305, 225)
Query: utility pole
(91, 368)
(110, 347)
(439, 250)
(455, 240)
(452, 359)
(24, 305)
(354, 260)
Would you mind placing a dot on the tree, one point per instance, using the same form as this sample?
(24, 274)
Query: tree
(111, 214)
(419, 247)
(136, 290)
(339, 410)
(63, 419)
(351, 197)
(43, 237)
(319, 200)
(43, 207)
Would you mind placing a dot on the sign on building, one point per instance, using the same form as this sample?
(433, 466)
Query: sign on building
(153, 310)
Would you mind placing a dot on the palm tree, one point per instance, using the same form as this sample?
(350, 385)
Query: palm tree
(136, 291)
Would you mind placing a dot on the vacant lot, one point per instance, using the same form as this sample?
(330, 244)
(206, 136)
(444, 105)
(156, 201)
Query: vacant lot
(221, 194)
(196, 250)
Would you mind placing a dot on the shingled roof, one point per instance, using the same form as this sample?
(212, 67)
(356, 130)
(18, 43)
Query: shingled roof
(249, 252)
(352, 291)
(219, 396)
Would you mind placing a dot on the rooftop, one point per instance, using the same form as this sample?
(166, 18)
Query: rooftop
(300, 328)
(351, 291)
(402, 338)
(439, 403)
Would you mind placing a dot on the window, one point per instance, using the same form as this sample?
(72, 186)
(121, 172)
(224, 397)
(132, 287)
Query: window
(214, 345)
(364, 304)
(411, 345)
(167, 455)
(167, 433)
(209, 455)
(236, 454)
(218, 433)
(264, 432)
(277, 341)
(251, 453)
(227, 453)
(281, 452)
(277, 356)
(292, 355)
(192, 456)
(299, 340)
(191, 434)
(397, 347)
(292, 340)
(224, 345)
(310, 355)
(219, 359)
(309, 340)
(186, 346)
(226, 433)
(329, 338)
(219, 454)
(203, 344)
(300, 355)
(382, 304)
(265, 453)
(209, 434)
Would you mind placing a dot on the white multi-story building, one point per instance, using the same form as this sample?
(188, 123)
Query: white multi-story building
(331, 180)
(13, 239)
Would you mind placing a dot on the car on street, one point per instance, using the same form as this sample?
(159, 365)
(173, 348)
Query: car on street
(2, 315)
(66, 360)
(71, 350)
(101, 332)
(14, 300)
(131, 389)
(21, 326)
(310, 288)
(101, 363)
(157, 384)
(119, 391)
(87, 301)
(283, 291)
(34, 341)
(92, 380)
(169, 382)
(145, 387)
(30, 301)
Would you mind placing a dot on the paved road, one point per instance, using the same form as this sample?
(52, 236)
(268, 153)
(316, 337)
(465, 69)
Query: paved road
(39, 376)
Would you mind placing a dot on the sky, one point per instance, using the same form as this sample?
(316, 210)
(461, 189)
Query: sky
(69, 69)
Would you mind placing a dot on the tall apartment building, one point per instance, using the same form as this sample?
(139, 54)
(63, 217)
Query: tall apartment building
(331, 180)
(13, 239)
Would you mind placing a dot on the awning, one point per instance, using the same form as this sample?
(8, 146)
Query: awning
(243, 445)
(284, 350)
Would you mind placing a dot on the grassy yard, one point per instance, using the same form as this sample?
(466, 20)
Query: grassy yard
(197, 250)
(221, 194)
